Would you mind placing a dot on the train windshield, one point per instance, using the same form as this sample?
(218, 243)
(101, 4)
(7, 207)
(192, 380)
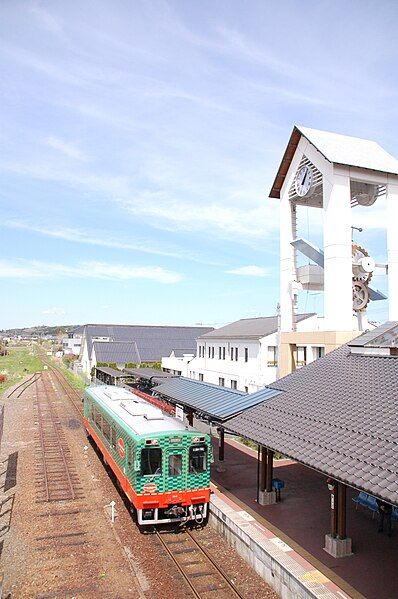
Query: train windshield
(151, 461)
(198, 459)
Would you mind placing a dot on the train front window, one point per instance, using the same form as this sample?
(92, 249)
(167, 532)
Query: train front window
(151, 461)
(175, 464)
(197, 459)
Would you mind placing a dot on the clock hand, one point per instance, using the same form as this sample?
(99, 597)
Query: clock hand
(304, 178)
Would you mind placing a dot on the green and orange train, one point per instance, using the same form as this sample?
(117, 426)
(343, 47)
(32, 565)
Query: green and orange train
(162, 465)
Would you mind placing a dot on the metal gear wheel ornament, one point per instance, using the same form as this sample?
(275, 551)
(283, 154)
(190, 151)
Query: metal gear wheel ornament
(360, 296)
(362, 270)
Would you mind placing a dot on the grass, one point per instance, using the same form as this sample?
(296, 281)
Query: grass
(73, 379)
(17, 365)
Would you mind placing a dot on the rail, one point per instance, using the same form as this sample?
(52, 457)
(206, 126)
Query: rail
(72, 394)
(56, 478)
(28, 383)
(202, 574)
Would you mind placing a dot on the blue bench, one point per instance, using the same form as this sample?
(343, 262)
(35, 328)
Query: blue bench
(277, 485)
(367, 501)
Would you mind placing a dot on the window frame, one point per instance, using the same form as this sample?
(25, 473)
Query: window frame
(153, 450)
(192, 469)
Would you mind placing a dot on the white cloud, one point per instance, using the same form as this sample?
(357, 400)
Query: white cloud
(54, 311)
(250, 271)
(66, 148)
(241, 223)
(103, 239)
(34, 269)
(46, 19)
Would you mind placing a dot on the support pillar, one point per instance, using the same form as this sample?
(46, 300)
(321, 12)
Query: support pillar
(221, 450)
(392, 247)
(190, 417)
(337, 250)
(263, 469)
(287, 265)
(337, 544)
(266, 494)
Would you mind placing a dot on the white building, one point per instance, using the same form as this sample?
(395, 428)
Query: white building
(72, 343)
(242, 355)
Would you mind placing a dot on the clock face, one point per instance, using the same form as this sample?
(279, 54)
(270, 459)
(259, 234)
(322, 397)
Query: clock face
(303, 181)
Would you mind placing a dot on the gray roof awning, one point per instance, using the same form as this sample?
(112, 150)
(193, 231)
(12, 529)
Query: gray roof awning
(118, 374)
(337, 415)
(150, 374)
(216, 403)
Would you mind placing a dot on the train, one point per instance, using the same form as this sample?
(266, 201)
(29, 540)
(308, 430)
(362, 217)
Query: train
(162, 465)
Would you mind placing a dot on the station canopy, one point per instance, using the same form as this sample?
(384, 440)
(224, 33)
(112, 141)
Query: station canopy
(212, 402)
(117, 374)
(152, 375)
(338, 415)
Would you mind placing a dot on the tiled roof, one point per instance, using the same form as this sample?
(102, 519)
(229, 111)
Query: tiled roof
(116, 352)
(385, 335)
(218, 403)
(153, 342)
(338, 415)
(249, 328)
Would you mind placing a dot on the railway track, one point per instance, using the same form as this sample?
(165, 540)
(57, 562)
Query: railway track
(72, 394)
(23, 386)
(56, 478)
(204, 577)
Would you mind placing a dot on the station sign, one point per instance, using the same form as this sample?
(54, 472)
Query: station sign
(180, 413)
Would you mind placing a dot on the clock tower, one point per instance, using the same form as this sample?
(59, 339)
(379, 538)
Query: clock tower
(334, 174)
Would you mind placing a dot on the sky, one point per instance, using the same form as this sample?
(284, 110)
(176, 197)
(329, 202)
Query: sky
(140, 139)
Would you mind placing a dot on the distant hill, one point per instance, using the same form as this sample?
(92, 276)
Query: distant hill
(39, 330)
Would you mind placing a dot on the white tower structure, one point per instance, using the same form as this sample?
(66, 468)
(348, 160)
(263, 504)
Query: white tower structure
(334, 173)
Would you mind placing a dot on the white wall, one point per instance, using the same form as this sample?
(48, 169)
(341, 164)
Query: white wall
(250, 376)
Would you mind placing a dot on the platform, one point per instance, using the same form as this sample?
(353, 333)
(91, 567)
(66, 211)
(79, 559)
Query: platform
(298, 525)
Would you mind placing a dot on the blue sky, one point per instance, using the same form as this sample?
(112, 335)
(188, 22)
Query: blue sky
(139, 141)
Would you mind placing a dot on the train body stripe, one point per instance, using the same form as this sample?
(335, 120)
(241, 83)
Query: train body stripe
(147, 500)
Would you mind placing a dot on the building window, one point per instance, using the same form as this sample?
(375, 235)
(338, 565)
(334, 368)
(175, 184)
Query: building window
(319, 352)
(200, 376)
(236, 354)
(234, 384)
(200, 351)
(246, 354)
(232, 353)
(301, 359)
(272, 356)
(219, 353)
(212, 352)
(221, 382)
(223, 353)
(209, 351)
(246, 389)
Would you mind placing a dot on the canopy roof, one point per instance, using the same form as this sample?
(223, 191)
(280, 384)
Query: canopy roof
(214, 402)
(338, 415)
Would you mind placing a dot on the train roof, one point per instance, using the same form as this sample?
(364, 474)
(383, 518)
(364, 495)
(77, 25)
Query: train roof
(136, 413)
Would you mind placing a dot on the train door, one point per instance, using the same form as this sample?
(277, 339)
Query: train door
(176, 469)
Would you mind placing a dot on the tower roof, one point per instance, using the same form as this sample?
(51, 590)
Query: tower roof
(338, 149)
